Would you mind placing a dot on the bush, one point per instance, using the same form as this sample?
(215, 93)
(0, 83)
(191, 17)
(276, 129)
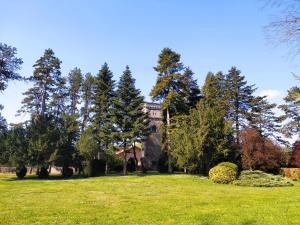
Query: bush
(21, 171)
(43, 173)
(229, 164)
(260, 153)
(292, 173)
(162, 165)
(94, 168)
(223, 174)
(67, 172)
(257, 178)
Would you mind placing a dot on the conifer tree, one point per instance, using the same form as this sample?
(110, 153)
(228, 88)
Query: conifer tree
(239, 95)
(168, 89)
(75, 82)
(262, 118)
(46, 77)
(87, 94)
(102, 111)
(214, 134)
(9, 65)
(291, 110)
(192, 92)
(127, 113)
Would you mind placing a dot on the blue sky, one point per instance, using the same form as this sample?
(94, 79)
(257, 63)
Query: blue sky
(210, 35)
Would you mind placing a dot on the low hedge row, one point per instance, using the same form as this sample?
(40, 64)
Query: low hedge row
(292, 173)
(257, 178)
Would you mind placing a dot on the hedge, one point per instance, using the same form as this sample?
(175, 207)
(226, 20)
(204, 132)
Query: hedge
(292, 173)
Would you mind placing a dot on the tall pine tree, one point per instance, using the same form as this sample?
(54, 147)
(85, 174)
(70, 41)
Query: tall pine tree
(239, 95)
(127, 113)
(102, 111)
(168, 89)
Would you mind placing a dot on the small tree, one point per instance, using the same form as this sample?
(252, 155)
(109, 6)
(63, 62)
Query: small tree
(259, 153)
(295, 157)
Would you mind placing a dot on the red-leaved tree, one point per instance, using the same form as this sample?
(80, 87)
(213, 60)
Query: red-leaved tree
(260, 153)
(295, 157)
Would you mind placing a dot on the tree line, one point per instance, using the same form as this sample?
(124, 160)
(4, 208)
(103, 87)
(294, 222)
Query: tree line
(74, 119)
(78, 119)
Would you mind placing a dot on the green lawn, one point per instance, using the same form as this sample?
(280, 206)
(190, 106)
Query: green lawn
(152, 199)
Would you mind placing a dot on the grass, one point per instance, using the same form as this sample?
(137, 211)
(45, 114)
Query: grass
(156, 199)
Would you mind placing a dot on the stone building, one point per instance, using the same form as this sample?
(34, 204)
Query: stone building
(151, 149)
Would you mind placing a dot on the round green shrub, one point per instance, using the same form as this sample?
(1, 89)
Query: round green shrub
(229, 164)
(21, 171)
(223, 174)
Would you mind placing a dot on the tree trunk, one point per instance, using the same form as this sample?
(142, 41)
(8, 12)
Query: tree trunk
(168, 142)
(106, 167)
(135, 158)
(125, 161)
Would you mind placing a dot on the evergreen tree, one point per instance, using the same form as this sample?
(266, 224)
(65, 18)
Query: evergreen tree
(192, 91)
(75, 82)
(46, 82)
(59, 99)
(168, 88)
(102, 111)
(9, 65)
(239, 95)
(263, 118)
(127, 110)
(214, 134)
(183, 142)
(43, 136)
(87, 97)
(291, 110)
(46, 77)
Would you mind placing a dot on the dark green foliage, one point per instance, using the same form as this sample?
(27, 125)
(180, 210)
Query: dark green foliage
(43, 137)
(257, 178)
(223, 173)
(162, 165)
(131, 165)
(43, 173)
(75, 82)
(103, 106)
(9, 65)
(291, 110)
(213, 134)
(87, 144)
(46, 78)
(239, 95)
(263, 118)
(183, 143)
(128, 116)
(65, 150)
(177, 90)
(67, 172)
(87, 98)
(21, 171)
(16, 146)
(94, 167)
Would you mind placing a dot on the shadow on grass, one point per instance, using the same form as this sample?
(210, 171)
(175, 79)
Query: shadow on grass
(78, 177)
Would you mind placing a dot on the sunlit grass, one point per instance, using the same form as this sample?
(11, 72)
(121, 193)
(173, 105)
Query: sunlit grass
(155, 199)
